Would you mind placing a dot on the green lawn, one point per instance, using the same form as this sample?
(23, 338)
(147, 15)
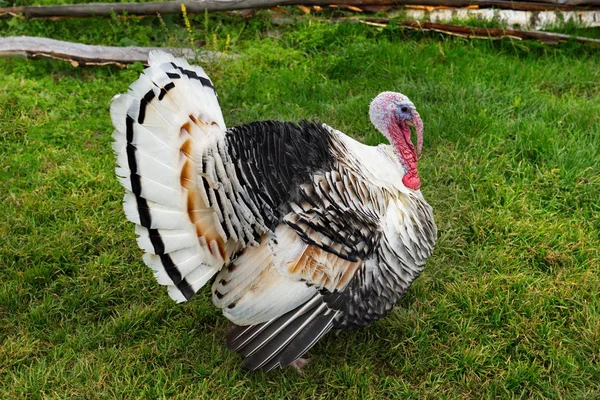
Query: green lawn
(508, 305)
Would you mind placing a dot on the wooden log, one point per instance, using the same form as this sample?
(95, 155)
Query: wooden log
(84, 54)
(199, 6)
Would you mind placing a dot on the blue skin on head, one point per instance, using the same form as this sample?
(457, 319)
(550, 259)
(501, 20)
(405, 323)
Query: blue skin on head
(404, 110)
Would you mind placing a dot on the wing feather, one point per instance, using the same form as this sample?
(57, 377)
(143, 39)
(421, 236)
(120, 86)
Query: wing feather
(280, 341)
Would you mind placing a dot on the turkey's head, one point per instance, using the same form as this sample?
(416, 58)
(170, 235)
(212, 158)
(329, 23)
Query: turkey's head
(393, 114)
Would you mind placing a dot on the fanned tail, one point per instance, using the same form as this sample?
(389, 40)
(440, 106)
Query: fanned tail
(164, 124)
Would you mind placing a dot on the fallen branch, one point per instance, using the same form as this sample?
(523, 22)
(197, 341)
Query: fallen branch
(485, 33)
(470, 32)
(199, 6)
(76, 53)
(457, 30)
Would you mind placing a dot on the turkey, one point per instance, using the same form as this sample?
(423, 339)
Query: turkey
(300, 228)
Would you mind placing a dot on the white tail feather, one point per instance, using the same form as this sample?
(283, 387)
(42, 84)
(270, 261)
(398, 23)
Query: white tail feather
(163, 217)
(164, 124)
(171, 240)
(152, 190)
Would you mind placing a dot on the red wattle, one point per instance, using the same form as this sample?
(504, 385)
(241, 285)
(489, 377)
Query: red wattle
(412, 181)
(400, 135)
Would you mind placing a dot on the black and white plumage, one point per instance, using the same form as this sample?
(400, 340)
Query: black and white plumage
(301, 228)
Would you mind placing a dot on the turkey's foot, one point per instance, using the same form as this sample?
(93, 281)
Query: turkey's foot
(298, 364)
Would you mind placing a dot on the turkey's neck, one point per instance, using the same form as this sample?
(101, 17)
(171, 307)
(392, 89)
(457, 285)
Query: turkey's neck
(400, 137)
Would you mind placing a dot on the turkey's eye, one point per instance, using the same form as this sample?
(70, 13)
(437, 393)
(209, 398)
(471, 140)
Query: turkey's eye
(404, 109)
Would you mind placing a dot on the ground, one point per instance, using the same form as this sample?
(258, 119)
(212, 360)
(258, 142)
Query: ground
(508, 305)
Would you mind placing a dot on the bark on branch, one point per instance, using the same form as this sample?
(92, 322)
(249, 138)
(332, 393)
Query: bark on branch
(457, 30)
(469, 32)
(76, 53)
(199, 6)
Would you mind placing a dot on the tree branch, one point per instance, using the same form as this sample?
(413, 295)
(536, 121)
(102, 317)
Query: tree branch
(482, 33)
(76, 53)
(470, 32)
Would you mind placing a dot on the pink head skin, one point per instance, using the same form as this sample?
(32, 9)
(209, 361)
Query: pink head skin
(393, 114)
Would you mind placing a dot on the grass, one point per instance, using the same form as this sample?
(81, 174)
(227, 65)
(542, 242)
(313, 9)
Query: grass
(507, 307)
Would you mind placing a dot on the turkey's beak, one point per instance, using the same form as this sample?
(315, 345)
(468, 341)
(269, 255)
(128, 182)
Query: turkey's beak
(416, 122)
